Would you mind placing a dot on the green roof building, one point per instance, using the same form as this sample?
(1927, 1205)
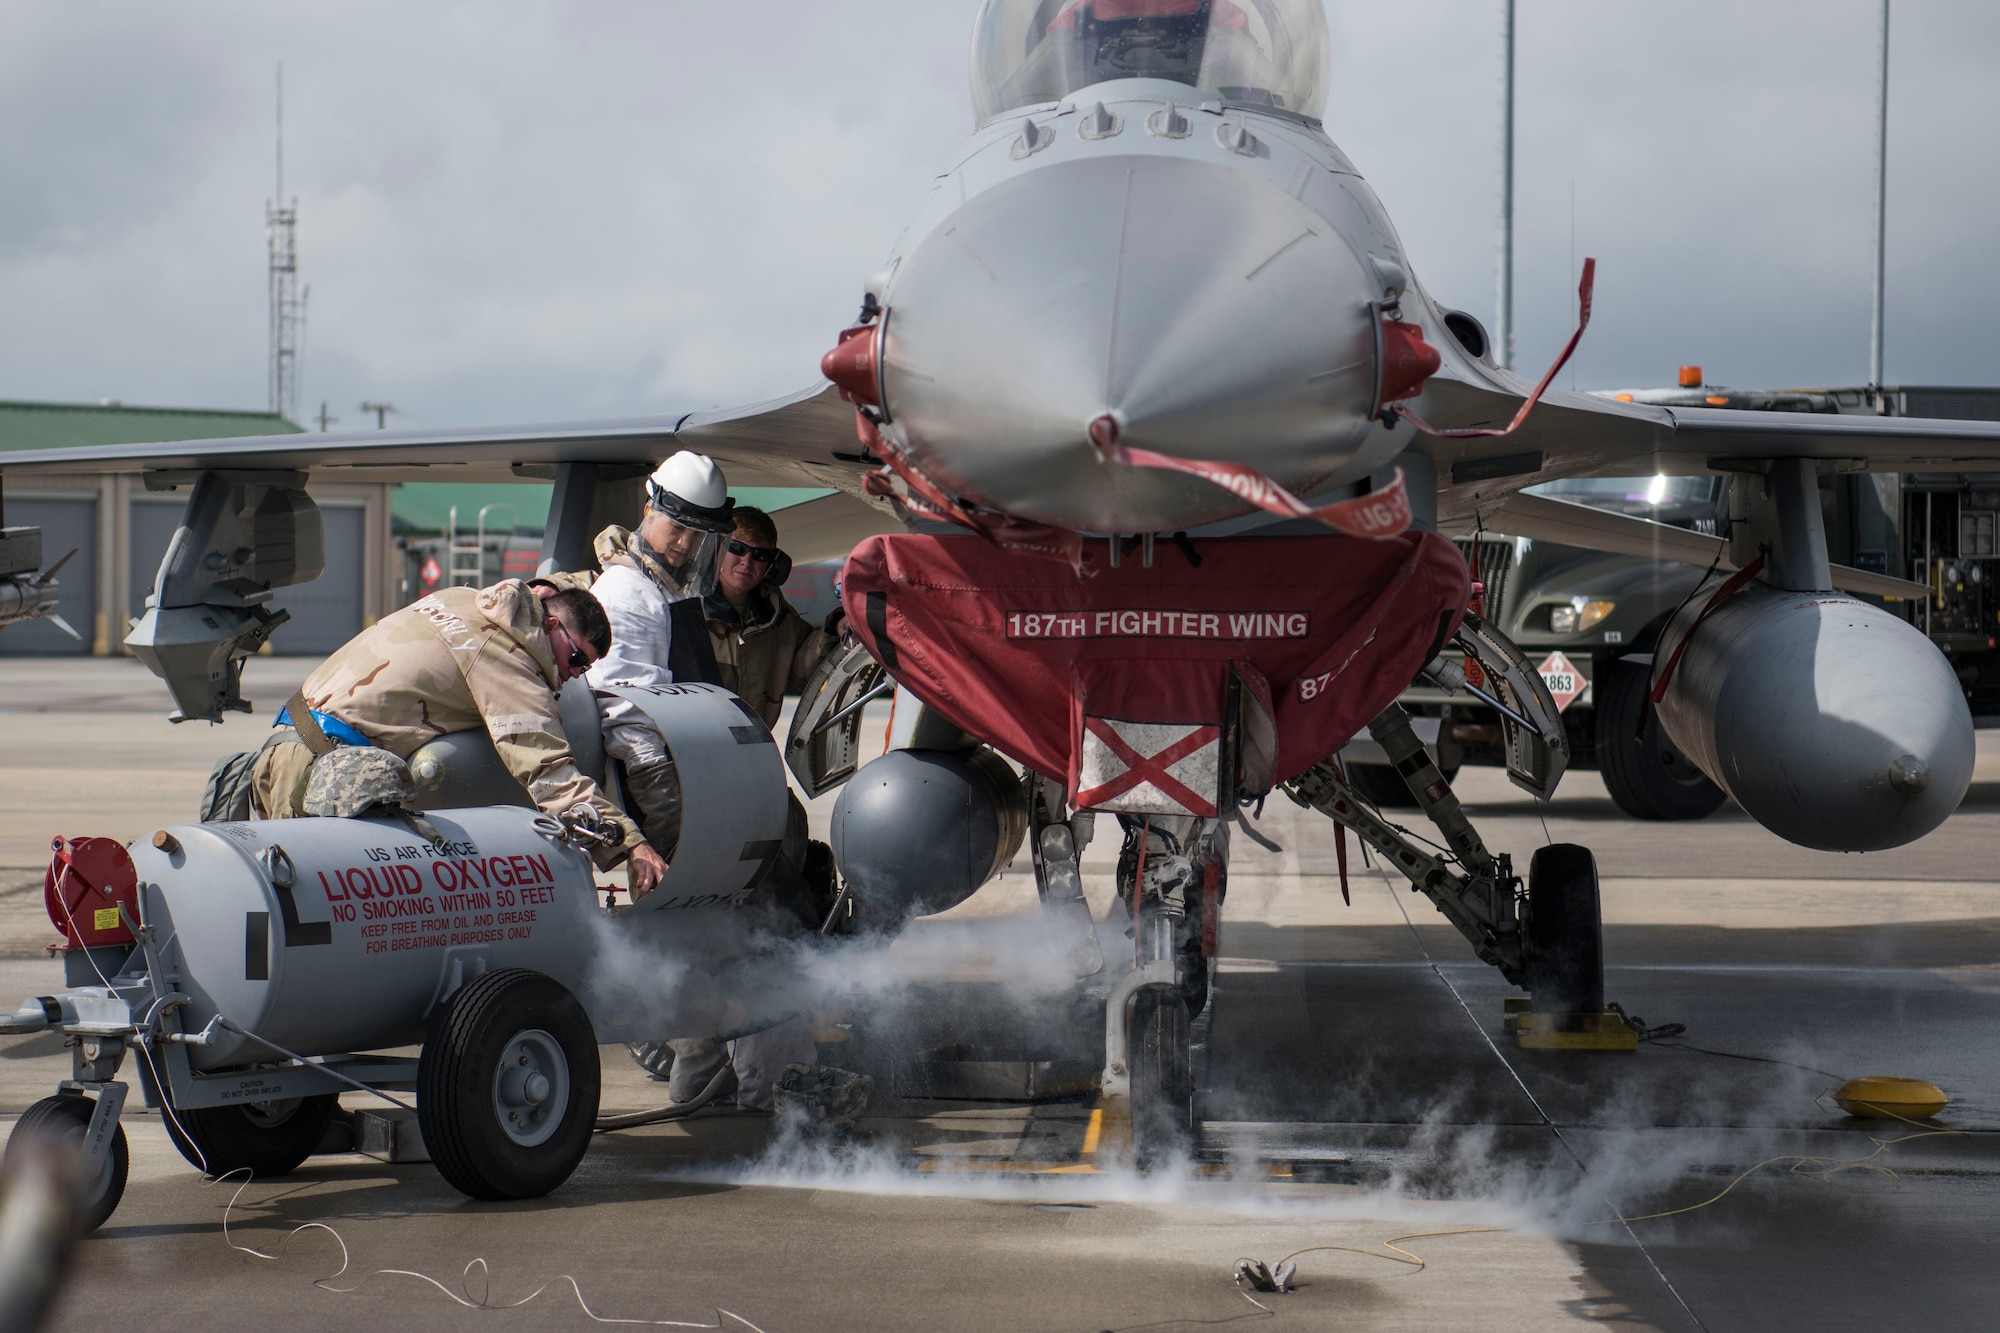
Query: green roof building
(77, 425)
(119, 530)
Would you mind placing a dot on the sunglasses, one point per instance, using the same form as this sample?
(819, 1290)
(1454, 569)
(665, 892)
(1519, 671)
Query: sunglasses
(578, 662)
(763, 555)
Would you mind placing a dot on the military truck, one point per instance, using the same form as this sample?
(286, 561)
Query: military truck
(1591, 620)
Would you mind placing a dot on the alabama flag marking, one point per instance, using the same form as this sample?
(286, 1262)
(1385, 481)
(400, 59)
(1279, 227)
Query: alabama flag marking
(1149, 768)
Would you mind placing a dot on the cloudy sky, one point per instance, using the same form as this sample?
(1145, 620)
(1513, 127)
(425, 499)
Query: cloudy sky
(519, 211)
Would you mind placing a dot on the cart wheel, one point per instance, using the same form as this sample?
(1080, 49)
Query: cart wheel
(1565, 932)
(64, 1119)
(267, 1138)
(1162, 1078)
(507, 1086)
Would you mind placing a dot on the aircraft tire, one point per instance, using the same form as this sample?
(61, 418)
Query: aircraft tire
(507, 1086)
(1646, 777)
(65, 1118)
(1565, 932)
(266, 1138)
(1162, 1078)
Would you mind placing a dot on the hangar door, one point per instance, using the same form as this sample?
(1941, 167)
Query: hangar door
(326, 613)
(66, 524)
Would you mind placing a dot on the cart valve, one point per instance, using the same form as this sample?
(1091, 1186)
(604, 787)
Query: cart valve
(201, 1038)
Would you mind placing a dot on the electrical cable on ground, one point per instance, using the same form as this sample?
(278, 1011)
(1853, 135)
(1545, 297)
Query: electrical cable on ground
(1735, 1055)
(1546, 1118)
(1829, 1166)
(470, 1302)
(464, 1296)
(1277, 1275)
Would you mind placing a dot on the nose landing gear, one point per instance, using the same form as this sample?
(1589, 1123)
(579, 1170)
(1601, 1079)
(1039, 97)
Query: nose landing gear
(1170, 874)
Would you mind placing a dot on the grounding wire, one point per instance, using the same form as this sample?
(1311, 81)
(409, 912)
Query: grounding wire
(1547, 1119)
(464, 1295)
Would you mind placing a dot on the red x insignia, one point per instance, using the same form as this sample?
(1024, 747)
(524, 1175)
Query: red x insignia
(1161, 768)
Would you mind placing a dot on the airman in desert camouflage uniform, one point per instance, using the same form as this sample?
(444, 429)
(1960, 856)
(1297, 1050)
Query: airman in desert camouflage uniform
(455, 660)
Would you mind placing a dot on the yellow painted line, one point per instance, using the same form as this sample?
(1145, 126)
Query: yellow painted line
(1094, 1132)
(986, 1167)
(1005, 1167)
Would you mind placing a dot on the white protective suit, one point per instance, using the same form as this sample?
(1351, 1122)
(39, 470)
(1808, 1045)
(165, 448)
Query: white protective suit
(635, 591)
(640, 634)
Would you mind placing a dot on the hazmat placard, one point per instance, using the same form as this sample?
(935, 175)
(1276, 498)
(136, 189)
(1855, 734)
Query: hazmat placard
(1564, 681)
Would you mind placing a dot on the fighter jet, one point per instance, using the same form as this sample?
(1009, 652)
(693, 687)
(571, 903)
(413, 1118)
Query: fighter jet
(1149, 434)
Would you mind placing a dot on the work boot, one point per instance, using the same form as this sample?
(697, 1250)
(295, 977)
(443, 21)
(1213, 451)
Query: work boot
(655, 1057)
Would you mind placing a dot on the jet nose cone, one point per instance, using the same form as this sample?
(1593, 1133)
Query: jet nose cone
(1206, 311)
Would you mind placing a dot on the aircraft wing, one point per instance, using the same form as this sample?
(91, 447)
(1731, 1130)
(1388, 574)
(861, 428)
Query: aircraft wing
(1573, 434)
(1549, 520)
(805, 439)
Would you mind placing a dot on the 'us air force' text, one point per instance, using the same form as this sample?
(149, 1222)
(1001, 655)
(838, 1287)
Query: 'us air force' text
(1158, 624)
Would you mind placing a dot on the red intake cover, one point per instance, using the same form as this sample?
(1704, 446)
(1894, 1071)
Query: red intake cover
(1023, 654)
(1407, 361)
(854, 365)
(88, 880)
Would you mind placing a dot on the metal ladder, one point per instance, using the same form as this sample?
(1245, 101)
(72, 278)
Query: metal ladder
(465, 561)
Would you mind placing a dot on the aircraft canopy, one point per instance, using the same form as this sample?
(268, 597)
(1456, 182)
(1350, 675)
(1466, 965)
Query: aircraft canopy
(1268, 52)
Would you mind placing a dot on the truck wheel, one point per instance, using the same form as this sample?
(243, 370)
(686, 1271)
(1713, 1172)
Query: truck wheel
(507, 1086)
(267, 1138)
(64, 1119)
(1647, 778)
(1162, 1078)
(1565, 932)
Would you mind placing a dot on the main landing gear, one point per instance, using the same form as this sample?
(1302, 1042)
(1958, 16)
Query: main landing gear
(1545, 936)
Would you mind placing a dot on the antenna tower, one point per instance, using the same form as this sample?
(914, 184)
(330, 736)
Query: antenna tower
(288, 303)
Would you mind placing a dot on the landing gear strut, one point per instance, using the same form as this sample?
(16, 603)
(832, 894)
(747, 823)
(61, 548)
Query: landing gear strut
(1170, 879)
(1546, 937)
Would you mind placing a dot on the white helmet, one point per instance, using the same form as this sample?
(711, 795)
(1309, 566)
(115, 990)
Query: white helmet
(689, 488)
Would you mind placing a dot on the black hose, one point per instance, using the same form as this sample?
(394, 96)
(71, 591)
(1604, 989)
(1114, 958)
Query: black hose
(723, 1081)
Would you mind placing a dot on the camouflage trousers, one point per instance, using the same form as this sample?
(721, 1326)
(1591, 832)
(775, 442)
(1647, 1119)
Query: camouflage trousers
(758, 1059)
(280, 775)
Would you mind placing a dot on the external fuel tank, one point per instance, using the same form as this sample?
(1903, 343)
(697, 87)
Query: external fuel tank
(1832, 722)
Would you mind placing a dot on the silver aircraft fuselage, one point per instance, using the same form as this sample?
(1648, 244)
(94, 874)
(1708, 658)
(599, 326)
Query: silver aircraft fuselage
(1202, 272)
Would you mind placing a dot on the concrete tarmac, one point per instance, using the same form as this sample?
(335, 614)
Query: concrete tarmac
(1357, 1089)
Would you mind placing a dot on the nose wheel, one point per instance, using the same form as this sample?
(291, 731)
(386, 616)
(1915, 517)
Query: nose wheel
(1162, 1079)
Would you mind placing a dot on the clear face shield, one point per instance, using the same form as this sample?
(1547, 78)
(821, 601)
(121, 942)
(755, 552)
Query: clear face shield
(685, 554)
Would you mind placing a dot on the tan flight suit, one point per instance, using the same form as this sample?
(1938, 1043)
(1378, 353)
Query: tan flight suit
(455, 660)
(764, 649)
